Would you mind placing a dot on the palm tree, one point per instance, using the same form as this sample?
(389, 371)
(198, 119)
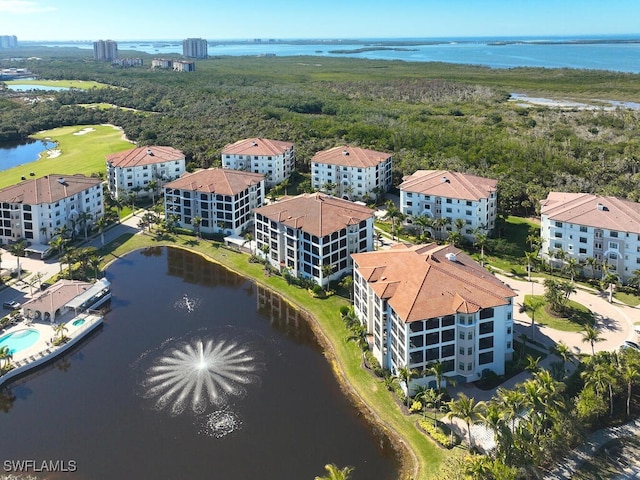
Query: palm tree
(196, 222)
(480, 240)
(530, 306)
(635, 278)
(609, 281)
(439, 223)
(69, 258)
(18, 249)
(629, 375)
(44, 231)
(454, 238)
(459, 224)
(327, 270)
(393, 214)
(359, 335)
(591, 335)
(467, 410)
(84, 218)
(101, 223)
(95, 261)
(601, 377)
(60, 331)
(5, 356)
(336, 473)
(424, 223)
(573, 267)
(405, 374)
(152, 186)
(562, 351)
(592, 262)
(347, 283)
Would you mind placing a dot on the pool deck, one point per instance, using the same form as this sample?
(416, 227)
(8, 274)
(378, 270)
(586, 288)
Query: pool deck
(43, 350)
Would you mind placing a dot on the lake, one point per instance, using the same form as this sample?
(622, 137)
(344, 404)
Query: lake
(28, 87)
(13, 154)
(132, 401)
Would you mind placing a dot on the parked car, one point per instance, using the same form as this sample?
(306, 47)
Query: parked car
(630, 344)
(11, 305)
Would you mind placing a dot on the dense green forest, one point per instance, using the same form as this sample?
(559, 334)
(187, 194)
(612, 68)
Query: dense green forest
(429, 115)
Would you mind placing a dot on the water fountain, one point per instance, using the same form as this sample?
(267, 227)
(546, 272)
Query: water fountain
(200, 373)
(187, 303)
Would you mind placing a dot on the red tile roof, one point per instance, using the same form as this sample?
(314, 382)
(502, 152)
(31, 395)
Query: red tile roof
(351, 157)
(583, 209)
(257, 147)
(47, 189)
(216, 180)
(144, 156)
(444, 183)
(316, 213)
(427, 281)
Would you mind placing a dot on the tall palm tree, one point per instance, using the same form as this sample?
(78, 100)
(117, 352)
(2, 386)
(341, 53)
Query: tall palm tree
(405, 374)
(95, 261)
(336, 473)
(153, 186)
(439, 223)
(530, 258)
(592, 335)
(467, 410)
(44, 231)
(393, 214)
(60, 331)
(424, 223)
(196, 222)
(18, 249)
(84, 218)
(480, 239)
(347, 283)
(459, 224)
(629, 374)
(327, 270)
(601, 377)
(609, 281)
(562, 351)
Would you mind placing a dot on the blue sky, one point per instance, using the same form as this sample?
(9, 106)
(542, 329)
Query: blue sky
(245, 19)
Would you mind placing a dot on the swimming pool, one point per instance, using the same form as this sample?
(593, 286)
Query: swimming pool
(19, 340)
(77, 323)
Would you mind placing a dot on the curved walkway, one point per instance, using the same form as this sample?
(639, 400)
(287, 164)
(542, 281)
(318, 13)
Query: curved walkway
(570, 464)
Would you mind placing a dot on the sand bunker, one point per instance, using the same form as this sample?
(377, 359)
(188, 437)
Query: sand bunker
(84, 131)
(53, 153)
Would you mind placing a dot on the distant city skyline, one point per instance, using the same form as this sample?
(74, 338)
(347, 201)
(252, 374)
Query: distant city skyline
(68, 20)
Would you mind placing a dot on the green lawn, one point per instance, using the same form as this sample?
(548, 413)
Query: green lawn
(579, 316)
(79, 153)
(79, 84)
(507, 251)
(345, 357)
(627, 298)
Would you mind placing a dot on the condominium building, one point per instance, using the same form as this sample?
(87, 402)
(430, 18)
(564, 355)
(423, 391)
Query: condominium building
(428, 303)
(105, 50)
(164, 63)
(34, 209)
(351, 173)
(195, 48)
(592, 229)
(306, 233)
(127, 62)
(273, 158)
(184, 66)
(8, 41)
(451, 196)
(222, 199)
(133, 170)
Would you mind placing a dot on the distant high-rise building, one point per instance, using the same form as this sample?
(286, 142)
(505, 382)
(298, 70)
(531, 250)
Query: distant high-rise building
(105, 50)
(8, 41)
(195, 48)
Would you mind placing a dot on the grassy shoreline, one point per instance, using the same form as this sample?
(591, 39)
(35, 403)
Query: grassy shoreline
(419, 457)
(79, 84)
(82, 153)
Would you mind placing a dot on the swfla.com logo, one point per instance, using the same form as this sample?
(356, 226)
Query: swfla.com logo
(50, 466)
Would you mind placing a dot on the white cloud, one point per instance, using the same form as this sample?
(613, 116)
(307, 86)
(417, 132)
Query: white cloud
(21, 7)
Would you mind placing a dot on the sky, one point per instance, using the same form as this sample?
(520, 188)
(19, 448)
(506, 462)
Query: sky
(58, 20)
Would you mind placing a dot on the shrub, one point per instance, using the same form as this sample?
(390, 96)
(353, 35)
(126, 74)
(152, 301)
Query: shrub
(441, 433)
(415, 407)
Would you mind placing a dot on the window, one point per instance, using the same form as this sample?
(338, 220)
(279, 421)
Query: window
(583, 228)
(558, 235)
(582, 251)
(461, 366)
(486, 327)
(461, 351)
(461, 335)
(558, 224)
(583, 239)
(613, 234)
(470, 351)
(470, 336)
(485, 343)
(485, 358)
(613, 245)
(486, 313)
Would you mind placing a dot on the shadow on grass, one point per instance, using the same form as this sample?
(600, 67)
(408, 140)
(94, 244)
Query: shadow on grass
(192, 242)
